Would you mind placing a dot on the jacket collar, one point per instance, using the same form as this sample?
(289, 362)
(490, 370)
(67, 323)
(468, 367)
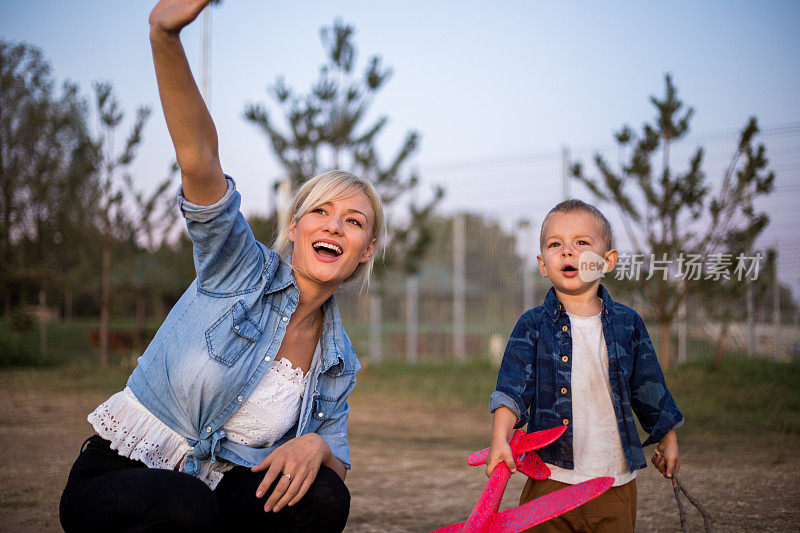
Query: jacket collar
(554, 308)
(332, 339)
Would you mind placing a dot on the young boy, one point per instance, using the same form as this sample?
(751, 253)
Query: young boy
(584, 361)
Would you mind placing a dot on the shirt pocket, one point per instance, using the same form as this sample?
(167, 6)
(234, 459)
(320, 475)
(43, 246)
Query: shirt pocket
(323, 409)
(232, 335)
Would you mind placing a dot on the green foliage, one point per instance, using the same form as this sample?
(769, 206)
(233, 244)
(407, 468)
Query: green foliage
(14, 351)
(669, 215)
(46, 184)
(326, 128)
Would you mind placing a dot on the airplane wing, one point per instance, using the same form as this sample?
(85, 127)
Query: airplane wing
(526, 443)
(533, 466)
(548, 506)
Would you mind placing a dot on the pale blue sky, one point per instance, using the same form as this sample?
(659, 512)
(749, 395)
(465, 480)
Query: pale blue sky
(483, 82)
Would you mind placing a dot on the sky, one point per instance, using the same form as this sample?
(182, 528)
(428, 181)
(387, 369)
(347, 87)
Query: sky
(495, 89)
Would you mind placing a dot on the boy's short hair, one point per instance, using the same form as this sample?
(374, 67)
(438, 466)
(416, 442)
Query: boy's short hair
(570, 206)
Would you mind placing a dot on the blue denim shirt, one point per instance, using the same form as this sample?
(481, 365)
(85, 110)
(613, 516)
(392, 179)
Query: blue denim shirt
(537, 365)
(224, 333)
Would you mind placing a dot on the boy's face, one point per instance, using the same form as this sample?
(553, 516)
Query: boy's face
(574, 255)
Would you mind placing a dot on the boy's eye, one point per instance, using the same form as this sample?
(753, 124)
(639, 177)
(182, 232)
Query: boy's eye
(552, 244)
(582, 242)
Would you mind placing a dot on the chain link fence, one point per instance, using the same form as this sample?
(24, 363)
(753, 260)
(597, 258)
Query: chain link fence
(481, 272)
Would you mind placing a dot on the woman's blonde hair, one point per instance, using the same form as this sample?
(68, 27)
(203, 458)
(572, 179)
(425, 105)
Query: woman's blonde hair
(329, 186)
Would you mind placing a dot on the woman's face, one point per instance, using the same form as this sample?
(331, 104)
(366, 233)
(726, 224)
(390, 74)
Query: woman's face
(332, 239)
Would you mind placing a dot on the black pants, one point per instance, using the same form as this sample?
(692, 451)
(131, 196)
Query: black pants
(107, 492)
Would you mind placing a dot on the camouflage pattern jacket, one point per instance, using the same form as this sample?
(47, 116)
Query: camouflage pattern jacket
(534, 378)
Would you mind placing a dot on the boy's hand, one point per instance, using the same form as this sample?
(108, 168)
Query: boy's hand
(666, 457)
(499, 451)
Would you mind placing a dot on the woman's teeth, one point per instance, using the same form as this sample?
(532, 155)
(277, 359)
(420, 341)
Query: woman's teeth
(327, 247)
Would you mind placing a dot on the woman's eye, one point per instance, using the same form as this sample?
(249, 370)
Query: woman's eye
(355, 222)
(318, 210)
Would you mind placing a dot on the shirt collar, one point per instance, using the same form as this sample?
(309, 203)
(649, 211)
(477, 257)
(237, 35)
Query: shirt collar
(553, 307)
(332, 329)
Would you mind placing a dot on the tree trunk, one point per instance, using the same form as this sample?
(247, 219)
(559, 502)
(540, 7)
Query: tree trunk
(666, 360)
(105, 300)
(719, 349)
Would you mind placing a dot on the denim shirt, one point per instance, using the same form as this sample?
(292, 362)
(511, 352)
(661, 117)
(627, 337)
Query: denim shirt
(224, 333)
(537, 366)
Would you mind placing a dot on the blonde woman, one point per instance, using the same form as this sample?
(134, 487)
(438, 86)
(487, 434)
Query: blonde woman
(236, 414)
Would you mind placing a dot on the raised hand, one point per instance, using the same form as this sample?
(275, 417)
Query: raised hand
(171, 16)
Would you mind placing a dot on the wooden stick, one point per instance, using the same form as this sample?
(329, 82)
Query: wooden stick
(700, 507)
(681, 508)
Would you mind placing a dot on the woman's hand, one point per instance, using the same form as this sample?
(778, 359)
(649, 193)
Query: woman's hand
(171, 16)
(297, 463)
(666, 457)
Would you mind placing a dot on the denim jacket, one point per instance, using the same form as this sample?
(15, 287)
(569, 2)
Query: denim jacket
(537, 366)
(224, 333)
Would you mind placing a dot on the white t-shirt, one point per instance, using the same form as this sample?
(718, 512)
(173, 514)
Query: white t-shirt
(597, 448)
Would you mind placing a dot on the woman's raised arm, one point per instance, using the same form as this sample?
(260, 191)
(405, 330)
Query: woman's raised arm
(188, 120)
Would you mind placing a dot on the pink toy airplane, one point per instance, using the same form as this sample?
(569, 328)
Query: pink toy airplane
(485, 518)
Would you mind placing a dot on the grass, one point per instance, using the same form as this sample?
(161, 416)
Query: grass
(742, 397)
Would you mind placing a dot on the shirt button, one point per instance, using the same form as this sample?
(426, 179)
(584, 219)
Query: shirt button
(563, 390)
(285, 319)
(564, 328)
(320, 414)
(267, 358)
(565, 421)
(208, 429)
(565, 358)
(239, 399)
(236, 328)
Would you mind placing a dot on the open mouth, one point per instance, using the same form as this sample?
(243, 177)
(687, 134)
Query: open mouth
(569, 268)
(327, 249)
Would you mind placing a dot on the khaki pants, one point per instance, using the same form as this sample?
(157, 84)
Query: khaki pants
(614, 511)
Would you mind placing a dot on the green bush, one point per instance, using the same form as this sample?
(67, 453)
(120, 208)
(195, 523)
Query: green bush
(15, 351)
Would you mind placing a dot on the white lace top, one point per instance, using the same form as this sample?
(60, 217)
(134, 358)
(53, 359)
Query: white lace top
(270, 410)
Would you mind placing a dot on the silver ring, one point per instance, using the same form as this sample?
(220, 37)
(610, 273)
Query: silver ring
(288, 475)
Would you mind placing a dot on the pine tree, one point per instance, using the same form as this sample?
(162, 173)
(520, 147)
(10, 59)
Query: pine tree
(327, 128)
(671, 215)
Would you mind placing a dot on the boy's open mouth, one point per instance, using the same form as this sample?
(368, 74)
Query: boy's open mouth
(327, 249)
(569, 268)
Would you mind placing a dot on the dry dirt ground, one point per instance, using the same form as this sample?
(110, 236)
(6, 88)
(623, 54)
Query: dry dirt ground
(410, 471)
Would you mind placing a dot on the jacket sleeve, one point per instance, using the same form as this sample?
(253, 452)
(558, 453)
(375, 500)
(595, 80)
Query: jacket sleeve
(227, 257)
(516, 380)
(650, 398)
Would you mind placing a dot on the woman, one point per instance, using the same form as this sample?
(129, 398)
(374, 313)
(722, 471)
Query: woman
(237, 411)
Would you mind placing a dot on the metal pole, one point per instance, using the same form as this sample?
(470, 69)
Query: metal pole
(683, 325)
(205, 85)
(375, 324)
(565, 193)
(412, 288)
(776, 309)
(459, 286)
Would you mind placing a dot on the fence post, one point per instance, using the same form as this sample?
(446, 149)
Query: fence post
(565, 193)
(412, 290)
(682, 324)
(459, 285)
(776, 309)
(375, 324)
